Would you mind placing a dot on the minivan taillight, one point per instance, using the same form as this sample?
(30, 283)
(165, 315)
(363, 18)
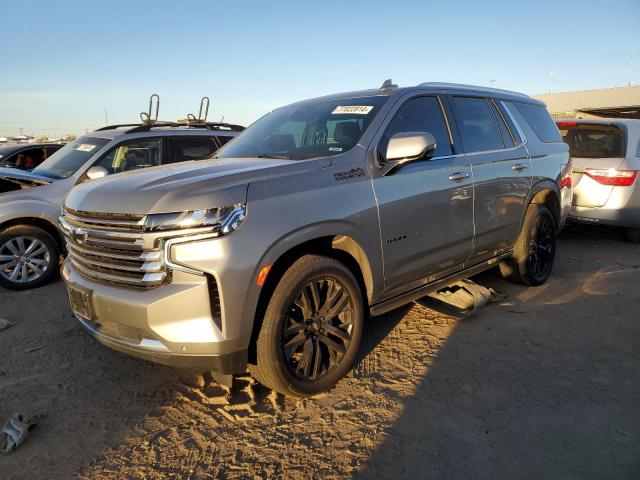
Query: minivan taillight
(613, 177)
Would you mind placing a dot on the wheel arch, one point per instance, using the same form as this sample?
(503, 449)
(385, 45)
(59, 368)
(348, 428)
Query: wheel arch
(547, 193)
(41, 223)
(342, 247)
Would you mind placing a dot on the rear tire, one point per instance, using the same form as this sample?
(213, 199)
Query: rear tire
(311, 329)
(633, 235)
(29, 257)
(534, 251)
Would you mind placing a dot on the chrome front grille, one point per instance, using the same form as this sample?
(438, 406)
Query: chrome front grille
(112, 248)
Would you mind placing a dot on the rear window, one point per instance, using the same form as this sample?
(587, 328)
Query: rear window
(593, 140)
(540, 121)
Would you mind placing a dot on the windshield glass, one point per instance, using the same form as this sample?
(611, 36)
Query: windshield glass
(313, 129)
(66, 161)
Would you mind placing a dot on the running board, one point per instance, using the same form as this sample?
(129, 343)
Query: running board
(412, 295)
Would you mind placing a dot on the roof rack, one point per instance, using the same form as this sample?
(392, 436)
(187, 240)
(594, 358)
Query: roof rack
(460, 86)
(150, 120)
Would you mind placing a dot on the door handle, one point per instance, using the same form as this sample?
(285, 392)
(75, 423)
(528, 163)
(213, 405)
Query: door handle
(458, 176)
(520, 166)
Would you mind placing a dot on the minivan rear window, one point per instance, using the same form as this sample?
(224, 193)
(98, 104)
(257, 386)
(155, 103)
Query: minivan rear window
(590, 140)
(540, 121)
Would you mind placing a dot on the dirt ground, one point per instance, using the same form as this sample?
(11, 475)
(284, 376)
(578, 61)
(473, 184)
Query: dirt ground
(545, 384)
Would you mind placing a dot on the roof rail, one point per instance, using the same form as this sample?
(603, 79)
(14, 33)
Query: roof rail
(460, 86)
(209, 126)
(119, 125)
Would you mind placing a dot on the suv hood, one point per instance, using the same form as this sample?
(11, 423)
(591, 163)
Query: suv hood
(14, 179)
(183, 186)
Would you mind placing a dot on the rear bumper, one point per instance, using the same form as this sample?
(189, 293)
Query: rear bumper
(622, 209)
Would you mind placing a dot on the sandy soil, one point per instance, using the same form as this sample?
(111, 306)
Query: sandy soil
(544, 385)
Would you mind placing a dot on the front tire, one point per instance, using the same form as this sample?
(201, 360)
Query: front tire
(534, 252)
(29, 257)
(311, 329)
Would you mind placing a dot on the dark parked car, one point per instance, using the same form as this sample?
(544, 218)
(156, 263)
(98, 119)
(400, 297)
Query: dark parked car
(27, 156)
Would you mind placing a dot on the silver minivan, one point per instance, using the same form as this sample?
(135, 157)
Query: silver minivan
(606, 161)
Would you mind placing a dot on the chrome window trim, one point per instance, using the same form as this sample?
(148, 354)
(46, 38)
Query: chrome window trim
(513, 120)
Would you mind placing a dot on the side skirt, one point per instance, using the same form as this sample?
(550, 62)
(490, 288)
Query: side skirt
(399, 300)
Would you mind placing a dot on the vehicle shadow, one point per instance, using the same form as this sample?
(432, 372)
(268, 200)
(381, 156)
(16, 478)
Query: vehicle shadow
(544, 385)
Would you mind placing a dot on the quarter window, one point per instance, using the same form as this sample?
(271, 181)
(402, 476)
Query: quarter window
(421, 114)
(540, 121)
(477, 124)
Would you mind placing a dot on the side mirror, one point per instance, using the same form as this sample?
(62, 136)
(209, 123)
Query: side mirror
(405, 146)
(96, 172)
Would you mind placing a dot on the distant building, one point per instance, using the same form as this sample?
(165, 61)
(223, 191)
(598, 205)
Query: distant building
(603, 102)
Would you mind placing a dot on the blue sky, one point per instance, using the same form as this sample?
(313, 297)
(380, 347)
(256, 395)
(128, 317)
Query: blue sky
(63, 63)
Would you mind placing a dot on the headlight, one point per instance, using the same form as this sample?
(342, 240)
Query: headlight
(223, 220)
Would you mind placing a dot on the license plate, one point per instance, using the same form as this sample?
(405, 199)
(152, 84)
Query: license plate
(80, 301)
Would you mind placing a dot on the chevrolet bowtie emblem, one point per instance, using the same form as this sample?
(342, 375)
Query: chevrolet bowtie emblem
(79, 235)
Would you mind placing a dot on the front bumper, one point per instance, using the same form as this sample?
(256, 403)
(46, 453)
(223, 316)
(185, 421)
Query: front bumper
(171, 324)
(226, 363)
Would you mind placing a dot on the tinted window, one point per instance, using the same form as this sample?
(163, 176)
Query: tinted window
(593, 141)
(477, 124)
(223, 140)
(315, 128)
(540, 121)
(507, 138)
(29, 158)
(132, 156)
(66, 161)
(422, 114)
(53, 149)
(190, 148)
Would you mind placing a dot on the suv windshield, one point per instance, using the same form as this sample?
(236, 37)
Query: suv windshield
(312, 129)
(587, 140)
(66, 161)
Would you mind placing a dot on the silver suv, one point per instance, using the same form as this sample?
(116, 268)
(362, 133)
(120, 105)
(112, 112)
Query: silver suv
(270, 256)
(30, 242)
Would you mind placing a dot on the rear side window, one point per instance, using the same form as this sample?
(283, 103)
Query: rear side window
(420, 114)
(191, 148)
(593, 140)
(507, 137)
(477, 124)
(540, 122)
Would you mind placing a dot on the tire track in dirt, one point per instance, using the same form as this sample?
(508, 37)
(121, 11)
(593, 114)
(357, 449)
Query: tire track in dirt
(203, 430)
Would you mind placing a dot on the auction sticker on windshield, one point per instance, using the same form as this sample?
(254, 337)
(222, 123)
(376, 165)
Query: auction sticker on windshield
(86, 147)
(352, 109)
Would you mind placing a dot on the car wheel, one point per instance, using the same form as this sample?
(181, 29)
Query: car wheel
(29, 257)
(534, 252)
(633, 235)
(311, 329)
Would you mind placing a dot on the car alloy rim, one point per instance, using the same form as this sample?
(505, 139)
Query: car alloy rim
(318, 328)
(24, 259)
(542, 249)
